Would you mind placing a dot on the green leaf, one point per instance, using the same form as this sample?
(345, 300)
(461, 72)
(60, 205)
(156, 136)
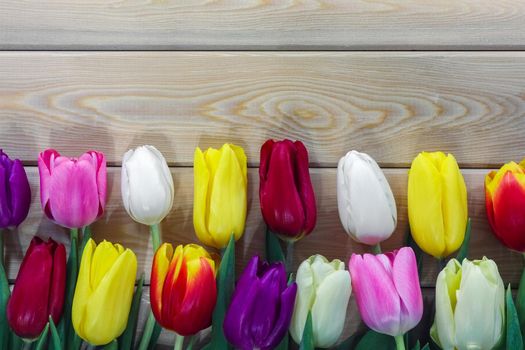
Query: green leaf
(374, 340)
(426, 347)
(4, 296)
(274, 250)
(127, 339)
(71, 338)
(113, 345)
(155, 334)
(225, 287)
(283, 345)
(514, 338)
(417, 346)
(42, 339)
(520, 303)
(86, 236)
(463, 250)
(307, 341)
(15, 342)
(55, 343)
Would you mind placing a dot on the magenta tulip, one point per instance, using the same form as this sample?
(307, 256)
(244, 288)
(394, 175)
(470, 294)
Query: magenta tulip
(72, 191)
(387, 291)
(39, 289)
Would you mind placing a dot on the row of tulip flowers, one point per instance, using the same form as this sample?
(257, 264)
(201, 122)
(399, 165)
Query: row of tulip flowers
(95, 300)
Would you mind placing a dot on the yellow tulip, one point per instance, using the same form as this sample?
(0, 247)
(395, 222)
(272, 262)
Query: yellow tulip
(104, 290)
(437, 203)
(219, 208)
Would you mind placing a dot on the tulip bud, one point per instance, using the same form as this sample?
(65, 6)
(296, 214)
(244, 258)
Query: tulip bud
(15, 193)
(437, 203)
(323, 289)
(147, 185)
(367, 207)
(261, 307)
(387, 291)
(220, 182)
(470, 306)
(285, 189)
(39, 289)
(183, 288)
(505, 204)
(72, 191)
(105, 285)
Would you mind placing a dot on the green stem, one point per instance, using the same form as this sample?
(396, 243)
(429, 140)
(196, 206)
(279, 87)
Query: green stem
(73, 233)
(27, 344)
(179, 341)
(155, 236)
(400, 343)
(376, 249)
(148, 330)
(289, 256)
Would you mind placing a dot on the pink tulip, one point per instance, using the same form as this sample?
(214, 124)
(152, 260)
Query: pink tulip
(387, 291)
(72, 191)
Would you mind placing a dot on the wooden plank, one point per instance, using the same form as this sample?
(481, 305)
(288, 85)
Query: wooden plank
(328, 238)
(391, 105)
(256, 24)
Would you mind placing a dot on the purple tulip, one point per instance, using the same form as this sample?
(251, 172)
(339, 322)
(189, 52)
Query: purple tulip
(387, 292)
(15, 193)
(261, 308)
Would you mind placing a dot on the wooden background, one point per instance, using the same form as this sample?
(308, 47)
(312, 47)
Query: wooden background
(383, 77)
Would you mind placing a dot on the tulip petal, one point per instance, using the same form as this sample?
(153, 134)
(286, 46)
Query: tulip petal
(266, 154)
(227, 206)
(454, 208)
(27, 311)
(174, 288)
(200, 197)
(103, 259)
(406, 281)
(83, 290)
(159, 270)
(305, 188)
(304, 299)
(330, 307)
(58, 282)
(477, 326)
(5, 212)
(107, 309)
(46, 162)
(284, 317)
(375, 294)
(425, 190)
(509, 211)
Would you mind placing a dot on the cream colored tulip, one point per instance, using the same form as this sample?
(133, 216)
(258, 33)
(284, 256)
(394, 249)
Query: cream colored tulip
(323, 288)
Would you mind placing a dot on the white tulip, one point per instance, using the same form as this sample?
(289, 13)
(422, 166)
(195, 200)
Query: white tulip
(367, 207)
(470, 306)
(324, 289)
(147, 185)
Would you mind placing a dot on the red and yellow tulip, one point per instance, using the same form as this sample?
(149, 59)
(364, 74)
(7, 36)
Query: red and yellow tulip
(183, 289)
(505, 203)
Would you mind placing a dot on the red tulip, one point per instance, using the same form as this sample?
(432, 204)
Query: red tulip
(285, 191)
(39, 289)
(505, 203)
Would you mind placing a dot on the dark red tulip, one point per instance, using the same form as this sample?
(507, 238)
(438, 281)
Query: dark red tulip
(39, 289)
(285, 191)
(15, 193)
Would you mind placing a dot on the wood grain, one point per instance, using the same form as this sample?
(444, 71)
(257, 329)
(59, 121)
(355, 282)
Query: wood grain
(328, 238)
(257, 24)
(390, 105)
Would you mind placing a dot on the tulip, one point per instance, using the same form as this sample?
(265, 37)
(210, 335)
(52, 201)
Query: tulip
(220, 181)
(15, 193)
(437, 203)
(72, 191)
(103, 293)
(387, 291)
(261, 307)
(183, 288)
(147, 185)
(470, 306)
(285, 190)
(39, 289)
(323, 289)
(505, 203)
(367, 207)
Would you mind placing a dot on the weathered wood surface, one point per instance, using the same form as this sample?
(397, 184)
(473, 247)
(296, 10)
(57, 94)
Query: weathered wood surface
(257, 24)
(390, 105)
(328, 238)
